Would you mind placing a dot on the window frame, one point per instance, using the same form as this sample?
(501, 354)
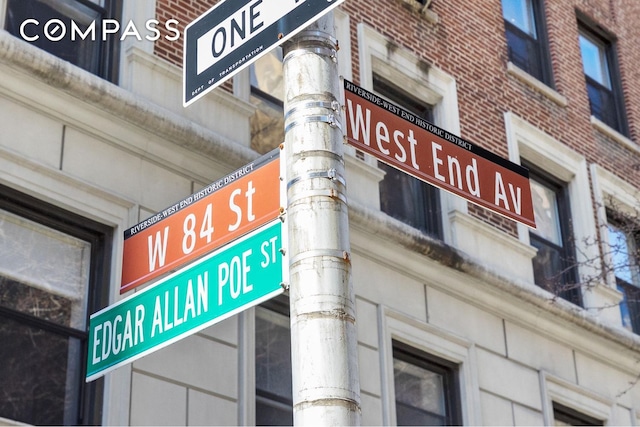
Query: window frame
(573, 417)
(100, 236)
(592, 31)
(628, 289)
(429, 220)
(395, 326)
(108, 51)
(541, 41)
(559, 391)
(529, 144)
(447, 369)
(279, 305)
(567, 250)
(383, 56)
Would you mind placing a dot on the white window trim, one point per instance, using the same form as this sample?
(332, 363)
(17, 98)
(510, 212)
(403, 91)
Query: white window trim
(431, 340)
(343, 32)
(528, 142)
(3, 11)
(428, 83)
(573, 396)
(609, 191)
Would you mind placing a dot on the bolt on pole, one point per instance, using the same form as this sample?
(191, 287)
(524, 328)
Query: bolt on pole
(326, 389)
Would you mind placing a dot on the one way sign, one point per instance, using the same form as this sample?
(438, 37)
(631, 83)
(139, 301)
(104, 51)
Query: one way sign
(235, 33)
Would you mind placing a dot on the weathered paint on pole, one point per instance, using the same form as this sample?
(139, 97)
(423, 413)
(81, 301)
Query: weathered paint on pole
(326, 389)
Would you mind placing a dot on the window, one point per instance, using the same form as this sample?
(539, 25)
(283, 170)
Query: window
(274, 401)
(54, 269)
(623, 254)
(554, 265)
(526, 40)
(565, 416)
(402, 196)
(53, 31)
(267, 93)
(425, 387)
(605, 96)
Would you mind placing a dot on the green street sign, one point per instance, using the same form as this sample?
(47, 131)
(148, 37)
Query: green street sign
(237, 276)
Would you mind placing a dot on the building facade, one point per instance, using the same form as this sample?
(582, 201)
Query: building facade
(462, 316)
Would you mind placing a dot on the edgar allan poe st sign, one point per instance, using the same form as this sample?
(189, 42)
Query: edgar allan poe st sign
(417, 147)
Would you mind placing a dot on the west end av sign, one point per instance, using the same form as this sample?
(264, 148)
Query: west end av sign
(417, 147)
(217, 214)
(235, 33)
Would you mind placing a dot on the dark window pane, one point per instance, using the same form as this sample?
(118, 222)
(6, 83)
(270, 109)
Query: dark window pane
(565, 416)
(623, 253)
(274, 401)
(35, 302)
(547, 266)
(410, 200)
(410, 416)
(273, 353)
(426, 390)
(37, 385)
(602, 78)
(420, 395)
(270, 412)
(602, 103)
(524, 52)
(630, 306)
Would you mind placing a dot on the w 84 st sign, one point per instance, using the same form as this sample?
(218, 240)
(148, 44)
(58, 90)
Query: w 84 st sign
(209, 218)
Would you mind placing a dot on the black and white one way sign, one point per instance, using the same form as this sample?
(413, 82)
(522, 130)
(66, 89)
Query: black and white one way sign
(235, 33)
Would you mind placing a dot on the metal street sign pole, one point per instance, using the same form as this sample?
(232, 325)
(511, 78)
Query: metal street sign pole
(326, 388)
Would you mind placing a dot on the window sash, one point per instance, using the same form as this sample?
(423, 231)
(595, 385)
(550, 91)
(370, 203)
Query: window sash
(267, 79)
(595, 63)
(98, 57)
(565, 416)
(520, 14)
(602, 103)
(448, 373)
(528, 47)
(82, 403)
(606, 99)
(525, 51)
(274, 405)
(554, 264)
(622, 254)
(630, 305)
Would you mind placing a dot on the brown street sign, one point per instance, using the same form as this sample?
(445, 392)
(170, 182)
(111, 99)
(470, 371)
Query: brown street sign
(408, 143)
